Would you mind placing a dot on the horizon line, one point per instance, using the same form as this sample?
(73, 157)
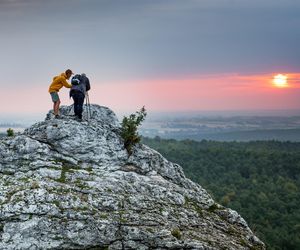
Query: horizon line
(281, 112)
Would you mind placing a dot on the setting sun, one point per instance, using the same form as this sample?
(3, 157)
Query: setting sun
(280, 81)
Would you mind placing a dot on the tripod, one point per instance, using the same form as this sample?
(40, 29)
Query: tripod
(88, 106)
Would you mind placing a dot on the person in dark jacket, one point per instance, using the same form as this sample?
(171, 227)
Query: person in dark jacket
(80, 85)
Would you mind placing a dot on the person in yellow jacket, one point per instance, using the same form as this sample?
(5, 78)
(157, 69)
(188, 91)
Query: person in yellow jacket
(57, 83)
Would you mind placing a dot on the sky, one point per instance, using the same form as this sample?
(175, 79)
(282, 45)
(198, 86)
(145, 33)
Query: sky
(169, 55)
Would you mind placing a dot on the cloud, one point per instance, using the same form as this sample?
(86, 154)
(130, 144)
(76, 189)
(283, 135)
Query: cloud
(133, 39)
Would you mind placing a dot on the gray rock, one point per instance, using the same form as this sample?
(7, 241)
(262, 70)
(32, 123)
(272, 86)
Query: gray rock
(72, 185)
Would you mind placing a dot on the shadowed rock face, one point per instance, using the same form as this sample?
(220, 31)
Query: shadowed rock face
(71, 185)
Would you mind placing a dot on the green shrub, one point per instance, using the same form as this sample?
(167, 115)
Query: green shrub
(129, 129)
(10, 132)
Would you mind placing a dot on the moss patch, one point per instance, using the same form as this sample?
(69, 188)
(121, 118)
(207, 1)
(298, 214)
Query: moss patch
(81, 184)
(191, 204)
(89, 169)
(176, 233)
(64, 170)
(24, 179)
(213, 208)
(56, 203)
(35, 185)
(103, 216)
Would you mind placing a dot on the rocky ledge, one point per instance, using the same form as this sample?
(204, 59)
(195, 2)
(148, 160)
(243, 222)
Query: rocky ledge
(71, 185)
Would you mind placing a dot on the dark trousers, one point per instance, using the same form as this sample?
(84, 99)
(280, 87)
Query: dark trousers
(78, 98)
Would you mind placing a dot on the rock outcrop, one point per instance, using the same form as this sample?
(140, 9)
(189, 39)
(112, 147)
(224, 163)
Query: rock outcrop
(71, 185)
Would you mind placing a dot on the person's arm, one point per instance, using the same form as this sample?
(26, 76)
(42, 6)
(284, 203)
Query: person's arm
(65, 83)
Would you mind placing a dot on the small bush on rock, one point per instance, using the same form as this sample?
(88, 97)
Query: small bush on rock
(129, 129)
(10, 132)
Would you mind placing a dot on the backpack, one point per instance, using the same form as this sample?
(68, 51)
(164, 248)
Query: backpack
(78, 85)
(76, 79)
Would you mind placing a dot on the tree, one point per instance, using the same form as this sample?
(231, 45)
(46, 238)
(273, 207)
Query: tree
(129, 129)
(10, 132)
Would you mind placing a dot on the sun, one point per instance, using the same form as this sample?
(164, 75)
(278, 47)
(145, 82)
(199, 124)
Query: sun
(280, 81)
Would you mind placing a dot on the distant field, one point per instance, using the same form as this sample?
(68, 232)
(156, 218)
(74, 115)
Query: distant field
(220, 128)
(259, 135)
(255, 135)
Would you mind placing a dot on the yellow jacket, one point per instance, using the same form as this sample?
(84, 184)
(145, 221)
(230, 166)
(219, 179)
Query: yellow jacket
(59, 82)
